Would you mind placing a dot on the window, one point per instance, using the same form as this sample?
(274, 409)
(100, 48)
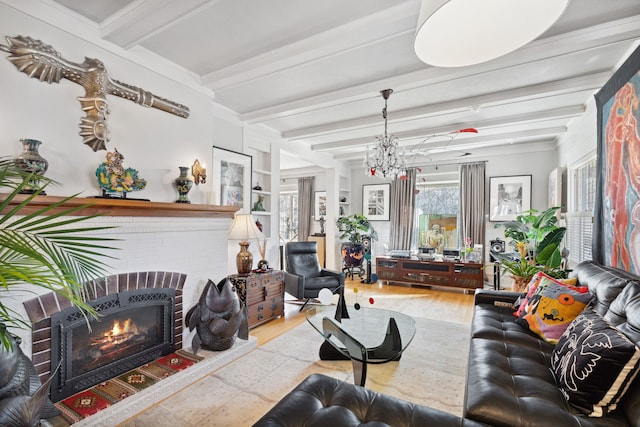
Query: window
(580, 206)
(288, 216)
(437, 217)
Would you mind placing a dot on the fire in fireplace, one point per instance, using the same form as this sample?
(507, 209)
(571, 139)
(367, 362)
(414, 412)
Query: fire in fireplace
(134, 327)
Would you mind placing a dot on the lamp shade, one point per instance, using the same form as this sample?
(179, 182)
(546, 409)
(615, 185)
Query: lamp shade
(455, 33)
(244, 228)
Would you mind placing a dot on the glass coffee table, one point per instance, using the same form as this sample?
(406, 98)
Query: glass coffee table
(368, 335)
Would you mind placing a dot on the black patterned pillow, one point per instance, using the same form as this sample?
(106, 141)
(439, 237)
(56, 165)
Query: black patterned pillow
(594, 364)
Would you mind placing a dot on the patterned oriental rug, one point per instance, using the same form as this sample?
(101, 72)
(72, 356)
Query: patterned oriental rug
(103, 395)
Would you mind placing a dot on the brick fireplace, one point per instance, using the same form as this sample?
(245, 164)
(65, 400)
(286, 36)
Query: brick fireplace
(60, 333)
(190, 239)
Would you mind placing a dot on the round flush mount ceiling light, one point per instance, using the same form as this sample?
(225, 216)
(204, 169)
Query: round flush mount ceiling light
(455, 33)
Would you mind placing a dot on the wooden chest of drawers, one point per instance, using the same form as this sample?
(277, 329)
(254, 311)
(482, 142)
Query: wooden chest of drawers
(263, 293)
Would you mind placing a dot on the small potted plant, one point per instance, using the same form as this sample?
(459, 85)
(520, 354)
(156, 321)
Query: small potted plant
(352, 228)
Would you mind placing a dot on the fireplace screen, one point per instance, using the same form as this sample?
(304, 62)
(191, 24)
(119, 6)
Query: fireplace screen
(134, 327)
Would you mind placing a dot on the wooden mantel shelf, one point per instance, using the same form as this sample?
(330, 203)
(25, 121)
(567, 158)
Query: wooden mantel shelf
(125, 207)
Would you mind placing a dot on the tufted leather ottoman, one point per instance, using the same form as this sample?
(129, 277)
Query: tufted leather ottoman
(324, 401)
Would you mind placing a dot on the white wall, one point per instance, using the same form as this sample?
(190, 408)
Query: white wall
(582, 138)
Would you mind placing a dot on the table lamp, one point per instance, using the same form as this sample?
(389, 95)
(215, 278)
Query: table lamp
(244, 228)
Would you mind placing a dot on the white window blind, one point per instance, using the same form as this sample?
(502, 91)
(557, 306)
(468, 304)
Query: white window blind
(578, 236)
(579, 217)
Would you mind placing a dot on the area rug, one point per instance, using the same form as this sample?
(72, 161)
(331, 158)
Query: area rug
(89, 402)
(431, 372)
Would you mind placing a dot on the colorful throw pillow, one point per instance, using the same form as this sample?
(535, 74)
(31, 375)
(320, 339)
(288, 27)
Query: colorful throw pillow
(531, 288)
(545, 279)
(551, 308)
(594, 364)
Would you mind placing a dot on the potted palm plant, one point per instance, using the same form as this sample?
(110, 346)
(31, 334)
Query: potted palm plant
(46, 249)
(352, 228)
(536, 240)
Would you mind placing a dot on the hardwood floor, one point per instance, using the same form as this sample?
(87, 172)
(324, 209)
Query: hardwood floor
(448, 305)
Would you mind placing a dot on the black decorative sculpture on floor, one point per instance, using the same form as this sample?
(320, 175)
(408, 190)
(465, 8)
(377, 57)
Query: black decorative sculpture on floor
(23, 400)
(218, 317)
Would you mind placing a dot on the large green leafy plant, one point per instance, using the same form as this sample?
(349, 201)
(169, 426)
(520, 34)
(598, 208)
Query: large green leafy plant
(353, 227)
(536, 239)
(47, 248)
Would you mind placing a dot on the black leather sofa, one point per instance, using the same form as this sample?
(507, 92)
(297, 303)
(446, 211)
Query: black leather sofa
(509, 377)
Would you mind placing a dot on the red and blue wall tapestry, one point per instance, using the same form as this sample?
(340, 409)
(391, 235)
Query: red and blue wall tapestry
(616, 238)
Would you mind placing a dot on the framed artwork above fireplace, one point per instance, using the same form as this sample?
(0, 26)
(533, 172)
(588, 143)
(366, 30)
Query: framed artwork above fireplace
(232, 178)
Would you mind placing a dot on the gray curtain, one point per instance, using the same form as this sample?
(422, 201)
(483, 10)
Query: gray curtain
(305, 207)
(403, 199)
(472, 211)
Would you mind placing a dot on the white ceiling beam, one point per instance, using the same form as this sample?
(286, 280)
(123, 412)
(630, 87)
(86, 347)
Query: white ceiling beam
(544, 90)
(470, 143)
(487, 140)
(498, 147)
(303, 151)
(142, 19)
(567, 112)
(54, 14)
(375, 28)
(611, 33)
(57, 15)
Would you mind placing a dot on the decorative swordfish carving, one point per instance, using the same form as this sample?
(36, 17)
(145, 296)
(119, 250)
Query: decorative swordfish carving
(41, 61)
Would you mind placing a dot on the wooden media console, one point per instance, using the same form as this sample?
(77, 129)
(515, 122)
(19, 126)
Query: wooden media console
(430, 273)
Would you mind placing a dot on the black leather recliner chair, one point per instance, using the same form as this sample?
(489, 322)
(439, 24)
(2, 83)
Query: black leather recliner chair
(304, 278)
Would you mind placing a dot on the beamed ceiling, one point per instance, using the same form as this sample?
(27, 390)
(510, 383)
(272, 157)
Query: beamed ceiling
(312, 71)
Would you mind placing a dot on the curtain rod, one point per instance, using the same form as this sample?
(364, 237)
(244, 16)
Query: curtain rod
(449, 164)
(283, 179)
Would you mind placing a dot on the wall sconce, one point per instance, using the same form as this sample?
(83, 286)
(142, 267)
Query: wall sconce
(199, 173)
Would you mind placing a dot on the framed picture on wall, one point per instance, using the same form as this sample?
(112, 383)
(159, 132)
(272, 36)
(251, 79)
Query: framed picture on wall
(232, 178)
(376, 201)
(509, 196)
(319, 204)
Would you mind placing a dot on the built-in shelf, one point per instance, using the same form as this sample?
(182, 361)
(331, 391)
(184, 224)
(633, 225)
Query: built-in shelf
(261, 213)
(121, 207)
(344, 207)
(264, 193)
